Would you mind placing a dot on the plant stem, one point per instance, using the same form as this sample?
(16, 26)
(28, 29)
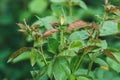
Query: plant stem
(90, 64)
(61, 40)
(79, 62)
(61, 37)
(45, 61)
(105, 16)
(70, 7)
(41, 52)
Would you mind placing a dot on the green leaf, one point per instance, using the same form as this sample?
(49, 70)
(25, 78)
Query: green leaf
(46, 21)
(83, 72)
(72, 77)
(98, 73)
(53, 45)
(89, 49)
(34, 73)
(101, 62)
(81, 3)
(102, 44)
(119, 26)
(49, 19)
(57, 9)
(44, 76)
(17, 53)
(25, 15)
(33, 57)
(38, 6)
(109, 28)
(77, 44)
(102, 74)
(70, 19)
(113, 64)
(50, 69)
(40, 74)
(69, 52)
(82, 78)
(117, 11)
(58, 0)
(61, 70)
(78, 35)
(23, 56)
(113, 55)
(74, 62)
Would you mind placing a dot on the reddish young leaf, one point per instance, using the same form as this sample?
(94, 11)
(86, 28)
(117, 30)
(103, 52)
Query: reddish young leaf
(88, 49)
(118, 34)
(37, 35)
(55, 24)
(22, 30)
(17, 53)
(110, 54)
(117, 21)
(95, 26)
(35, 27)
(49, 32)
(113, 9)
(22, 26)
(77, 24)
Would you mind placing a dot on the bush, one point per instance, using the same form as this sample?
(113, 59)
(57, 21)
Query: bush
(67, 48)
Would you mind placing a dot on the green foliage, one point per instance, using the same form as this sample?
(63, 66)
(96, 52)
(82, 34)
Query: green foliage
(109, 28)
(101, 74)
(81, 3)
(61, 71)
(33, 57)
(58, 1)
(38, 6)
(114, 65)
(79, 35)
(54, 46)
(17, 53)
(62, 44)
(82, 78)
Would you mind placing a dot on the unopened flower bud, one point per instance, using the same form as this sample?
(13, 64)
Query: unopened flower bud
(62, 20)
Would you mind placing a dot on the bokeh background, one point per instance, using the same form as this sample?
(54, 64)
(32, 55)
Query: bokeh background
(14, 11)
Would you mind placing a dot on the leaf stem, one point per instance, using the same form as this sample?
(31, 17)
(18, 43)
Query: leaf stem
(61, 40)
(90, 64)
(70, 7)
(79, 62)
(41, 52)
(105, 16)
(45, 61)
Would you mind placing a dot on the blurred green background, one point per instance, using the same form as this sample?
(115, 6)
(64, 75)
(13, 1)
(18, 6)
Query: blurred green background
(14, 11)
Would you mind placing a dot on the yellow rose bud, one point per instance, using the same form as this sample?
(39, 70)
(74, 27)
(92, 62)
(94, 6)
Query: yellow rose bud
(62, 20)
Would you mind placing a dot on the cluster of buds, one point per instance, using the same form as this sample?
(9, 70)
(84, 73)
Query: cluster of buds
(23, 28)
(34, 30)
(112, 8)
(29, 29)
